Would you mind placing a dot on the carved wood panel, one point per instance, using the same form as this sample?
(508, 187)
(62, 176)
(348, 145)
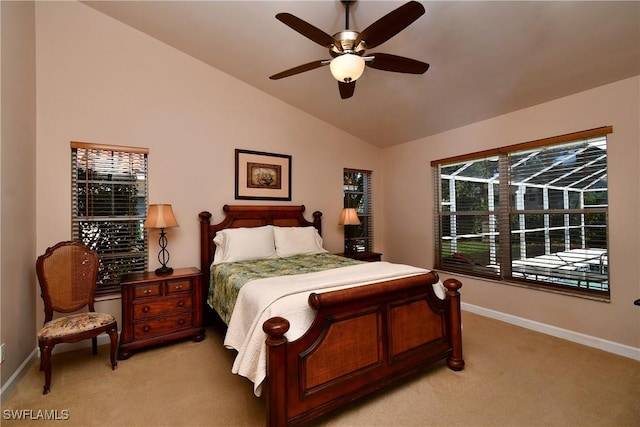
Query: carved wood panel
(349, 346)
(413, 324)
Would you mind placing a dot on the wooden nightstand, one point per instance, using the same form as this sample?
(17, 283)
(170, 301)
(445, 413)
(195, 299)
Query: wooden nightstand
(364, 256)
(157, 309)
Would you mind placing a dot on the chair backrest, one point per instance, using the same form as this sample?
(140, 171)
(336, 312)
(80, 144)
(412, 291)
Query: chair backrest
(67, 273)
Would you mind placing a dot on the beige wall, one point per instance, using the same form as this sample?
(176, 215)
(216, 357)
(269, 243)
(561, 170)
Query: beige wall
(411, 240)
(102, 81)
(17, 178)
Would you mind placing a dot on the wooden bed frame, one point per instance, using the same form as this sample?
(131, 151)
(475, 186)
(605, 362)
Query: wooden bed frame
(362, 338)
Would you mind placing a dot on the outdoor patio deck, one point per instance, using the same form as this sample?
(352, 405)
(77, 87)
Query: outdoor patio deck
(576, 267)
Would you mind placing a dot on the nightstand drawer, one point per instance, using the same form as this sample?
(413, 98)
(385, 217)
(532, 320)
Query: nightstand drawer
(147, 290)
(161, 326)
(174, 286)
(165, 306)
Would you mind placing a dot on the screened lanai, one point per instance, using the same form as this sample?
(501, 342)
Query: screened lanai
(547, 206)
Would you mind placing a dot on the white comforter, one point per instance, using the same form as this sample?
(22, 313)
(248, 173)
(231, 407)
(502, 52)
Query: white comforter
(287, 296)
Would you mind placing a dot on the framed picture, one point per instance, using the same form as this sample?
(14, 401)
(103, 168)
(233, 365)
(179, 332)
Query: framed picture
(262, 176)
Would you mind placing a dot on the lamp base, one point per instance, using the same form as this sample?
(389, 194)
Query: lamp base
(164, 270)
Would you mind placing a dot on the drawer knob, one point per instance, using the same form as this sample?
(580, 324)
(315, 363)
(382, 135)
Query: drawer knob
(178, 287)
(180, 303)
(146, 309)
(146, 328)
(146, 291)
(181, 322)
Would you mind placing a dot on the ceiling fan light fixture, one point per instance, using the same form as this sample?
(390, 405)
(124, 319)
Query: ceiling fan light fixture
(347, 68)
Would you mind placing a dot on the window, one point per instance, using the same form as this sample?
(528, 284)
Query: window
(357, 194)
(534, 213)
(109, 205)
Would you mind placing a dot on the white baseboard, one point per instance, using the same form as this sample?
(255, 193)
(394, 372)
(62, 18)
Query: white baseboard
(6, 386)
(590, 341)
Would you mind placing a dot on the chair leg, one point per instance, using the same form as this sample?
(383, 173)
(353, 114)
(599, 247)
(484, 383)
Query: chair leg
(45, 364)
(113, 335)
(94, 345)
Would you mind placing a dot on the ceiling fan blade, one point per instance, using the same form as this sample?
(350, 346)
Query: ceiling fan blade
(346, 89)
(299, 69)
(307, 30)
(390, 24)
(398, 64)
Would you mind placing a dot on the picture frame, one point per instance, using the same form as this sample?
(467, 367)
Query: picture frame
(262, 176)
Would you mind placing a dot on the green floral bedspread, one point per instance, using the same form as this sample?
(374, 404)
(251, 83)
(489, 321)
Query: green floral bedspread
(228, 278)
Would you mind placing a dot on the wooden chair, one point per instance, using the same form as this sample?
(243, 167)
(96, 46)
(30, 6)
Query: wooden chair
(67, 273)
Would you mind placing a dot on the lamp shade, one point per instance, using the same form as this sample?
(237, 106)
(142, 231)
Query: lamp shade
(349, 216)
(160, 216)
(347, 67)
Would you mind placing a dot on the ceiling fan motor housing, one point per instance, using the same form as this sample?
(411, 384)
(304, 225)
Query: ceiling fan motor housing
(347, 39)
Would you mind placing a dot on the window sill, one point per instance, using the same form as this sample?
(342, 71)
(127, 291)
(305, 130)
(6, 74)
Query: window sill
(108, 296)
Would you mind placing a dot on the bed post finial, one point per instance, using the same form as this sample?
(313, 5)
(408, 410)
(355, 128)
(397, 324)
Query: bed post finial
(205, 216)
(455, 360)
(206, 243)
(317, 221)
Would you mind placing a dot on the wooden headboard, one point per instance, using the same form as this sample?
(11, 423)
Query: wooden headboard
(248, 216)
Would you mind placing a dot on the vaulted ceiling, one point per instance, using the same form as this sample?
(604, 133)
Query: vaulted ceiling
(486, 58)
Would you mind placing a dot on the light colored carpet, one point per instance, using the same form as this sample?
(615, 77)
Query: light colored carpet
(513, 377)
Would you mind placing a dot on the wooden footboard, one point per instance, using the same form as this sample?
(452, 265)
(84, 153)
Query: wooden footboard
(361, 340)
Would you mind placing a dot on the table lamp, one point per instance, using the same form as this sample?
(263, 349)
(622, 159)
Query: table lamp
(348, 217)
(161, 216)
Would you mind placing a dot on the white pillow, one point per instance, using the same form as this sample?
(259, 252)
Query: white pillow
(244, 244)
(297, 240)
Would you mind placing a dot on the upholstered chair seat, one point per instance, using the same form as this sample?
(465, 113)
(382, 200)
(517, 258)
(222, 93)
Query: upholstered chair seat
(75, 324)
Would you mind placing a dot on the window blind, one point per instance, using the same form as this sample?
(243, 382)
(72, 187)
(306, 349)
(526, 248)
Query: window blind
(357, 194)
(534, 213)
(469, 203)
(109, 203)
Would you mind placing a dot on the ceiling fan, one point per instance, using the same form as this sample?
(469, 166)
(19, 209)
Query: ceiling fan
(347, 47)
